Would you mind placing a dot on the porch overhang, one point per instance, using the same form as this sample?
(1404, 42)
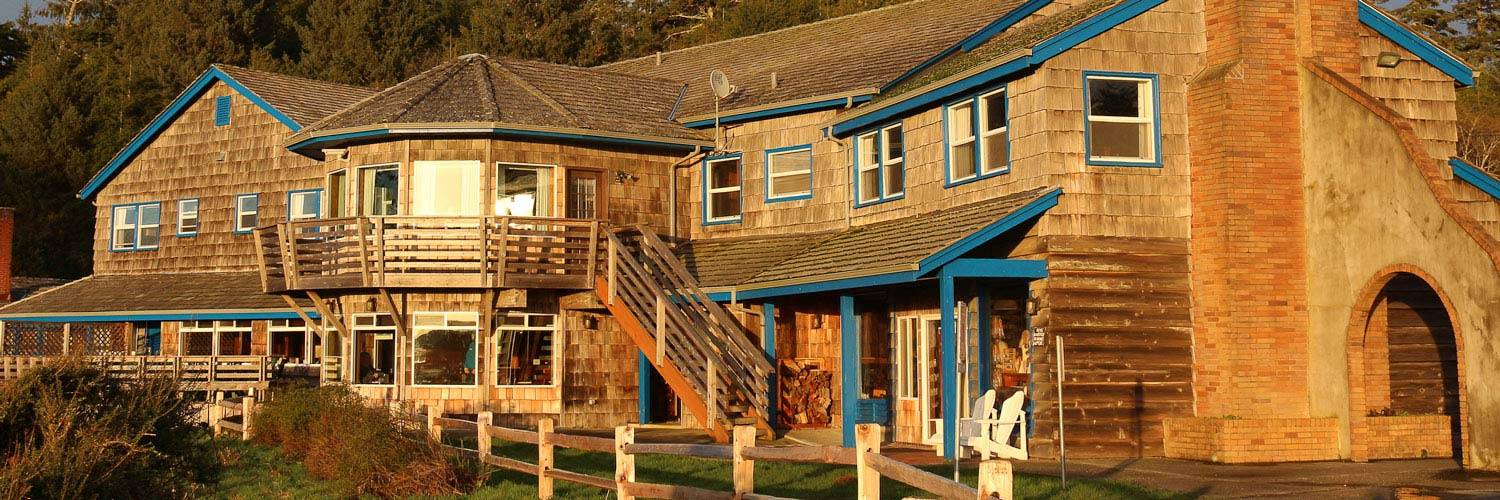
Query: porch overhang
(154, 297)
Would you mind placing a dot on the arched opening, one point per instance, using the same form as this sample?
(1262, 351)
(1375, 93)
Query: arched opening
(1404, 373)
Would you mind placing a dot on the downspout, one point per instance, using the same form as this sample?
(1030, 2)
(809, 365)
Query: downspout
(672, 190)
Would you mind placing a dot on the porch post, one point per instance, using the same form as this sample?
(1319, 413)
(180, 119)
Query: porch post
(768, 343)
(848, 367)
(986, 341)
(643, 381)
(948, 360)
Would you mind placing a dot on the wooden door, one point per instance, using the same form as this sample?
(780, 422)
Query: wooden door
(585, 196)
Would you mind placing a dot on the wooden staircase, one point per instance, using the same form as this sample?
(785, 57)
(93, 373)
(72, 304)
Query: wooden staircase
(703, 353)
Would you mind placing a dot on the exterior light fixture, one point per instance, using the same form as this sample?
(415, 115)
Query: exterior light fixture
(1388, 59)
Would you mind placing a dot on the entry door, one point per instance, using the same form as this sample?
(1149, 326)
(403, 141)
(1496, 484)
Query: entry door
(447, 188)
(931, 376)
(585, 194)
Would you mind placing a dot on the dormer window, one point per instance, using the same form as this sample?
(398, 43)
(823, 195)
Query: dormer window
(1122, 116)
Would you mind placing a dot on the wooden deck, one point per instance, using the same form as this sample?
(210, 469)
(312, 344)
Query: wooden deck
(208, 373)
(430, 253)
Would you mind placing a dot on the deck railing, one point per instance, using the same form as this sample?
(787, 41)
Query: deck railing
(430, 252)
(226, 373)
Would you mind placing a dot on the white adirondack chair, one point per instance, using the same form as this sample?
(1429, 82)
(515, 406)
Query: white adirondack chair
(988, 435)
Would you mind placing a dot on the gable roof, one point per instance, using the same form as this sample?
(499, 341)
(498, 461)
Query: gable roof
(824, 62)
(1431, 53)
(906, 248)
(293, 101)
(476, 92)
(1003, 55)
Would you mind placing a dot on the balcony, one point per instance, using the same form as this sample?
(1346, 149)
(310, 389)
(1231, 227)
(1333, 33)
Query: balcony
(356, 253)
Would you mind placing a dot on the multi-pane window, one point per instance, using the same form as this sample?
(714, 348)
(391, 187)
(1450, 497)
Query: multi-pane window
(994, 136)
(789, 173)
(304, 205)
(722, 187)
(187, 217)
(447, 188)
(234, 337)
(525, 346)
(374, 349)
(880, 163)
(338, 193)
(380, 187)
(292, 339)
(197, 338)
(1121, 119)
(961, 141)
(443, 348)
(524, 190)
(246, 212)
(210, 338)
(135, 227)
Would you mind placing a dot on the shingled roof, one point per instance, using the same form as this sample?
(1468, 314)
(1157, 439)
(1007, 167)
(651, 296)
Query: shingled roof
(478, 89)
(304, 101)
(899, 244)
(850, 53)
(226, 291)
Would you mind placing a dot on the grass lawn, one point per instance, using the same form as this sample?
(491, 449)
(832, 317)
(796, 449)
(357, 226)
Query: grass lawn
(252, 471)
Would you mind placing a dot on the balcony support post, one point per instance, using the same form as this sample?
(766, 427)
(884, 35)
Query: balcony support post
(327, 314)
(504, 247)
(593, 251)
(363, 229)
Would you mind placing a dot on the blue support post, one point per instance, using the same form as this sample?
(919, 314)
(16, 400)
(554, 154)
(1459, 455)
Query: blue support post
(849, 367)
(986, 341)
(643, 378)
(949, 373)
(768, 343)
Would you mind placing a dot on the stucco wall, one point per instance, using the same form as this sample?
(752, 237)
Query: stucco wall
(1370, 207)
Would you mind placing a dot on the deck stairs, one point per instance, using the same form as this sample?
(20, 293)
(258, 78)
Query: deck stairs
(705, 355)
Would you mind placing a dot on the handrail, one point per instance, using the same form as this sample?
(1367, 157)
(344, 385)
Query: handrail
(226, 370)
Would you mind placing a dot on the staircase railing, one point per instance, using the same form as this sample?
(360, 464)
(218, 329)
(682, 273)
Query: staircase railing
(693, 333)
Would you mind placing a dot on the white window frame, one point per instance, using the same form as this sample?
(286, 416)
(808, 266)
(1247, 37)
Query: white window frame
(365, 196)
(709, 190)
(557, 353)
(276, 326)
(954, 142)
(446, 316)
(543, 171)
(1003, 133)
(341, 201)
(135, 223)
(182, 216)
(374, 327)
(228, 326)
(886, 162)
(866, 161)
(1146, 115)
(182, 337)
(772, 175)
(292, 204)
(240, 212)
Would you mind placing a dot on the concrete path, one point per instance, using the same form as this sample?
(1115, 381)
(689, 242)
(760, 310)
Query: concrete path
(1439, 478)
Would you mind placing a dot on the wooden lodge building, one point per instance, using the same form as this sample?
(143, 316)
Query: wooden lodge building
(1241, 219)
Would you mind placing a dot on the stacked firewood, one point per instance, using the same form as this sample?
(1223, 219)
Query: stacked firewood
(807, 392)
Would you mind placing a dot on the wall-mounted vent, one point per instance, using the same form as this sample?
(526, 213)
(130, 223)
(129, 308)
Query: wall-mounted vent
(221, 110)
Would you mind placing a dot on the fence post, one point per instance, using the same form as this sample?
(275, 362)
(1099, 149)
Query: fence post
(247, 411)
(866, 440)
(544, 461)
(624, 462)
(215, 412)
(995, 480)
(434, 428)
(744, 469)
(486, 419)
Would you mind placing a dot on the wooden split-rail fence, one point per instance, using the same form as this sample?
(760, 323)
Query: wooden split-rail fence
(995, 476)
(700, 350)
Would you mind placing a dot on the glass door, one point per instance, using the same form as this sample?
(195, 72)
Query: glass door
(585, 195)
(447, 188)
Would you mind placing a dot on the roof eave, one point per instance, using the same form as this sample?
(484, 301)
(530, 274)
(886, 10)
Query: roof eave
(808, 104)
(1463, 75)
(307, 143)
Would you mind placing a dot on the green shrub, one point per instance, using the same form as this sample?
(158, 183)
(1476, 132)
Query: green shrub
(365, 450)
(70, 431)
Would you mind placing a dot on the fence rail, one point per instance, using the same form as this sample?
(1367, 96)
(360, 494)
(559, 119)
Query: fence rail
(995, 480)
(219, 373)
(429, 252)
(221, 413)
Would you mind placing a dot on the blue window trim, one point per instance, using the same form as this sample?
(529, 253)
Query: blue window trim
(137, 247)
(704, 191)
(974, 105)
(180, 233)
(1088, 153)
(223, 106)
(1474, 176)
(289, 195)
(810, 168)
(1418, 46)
(880, 158)
(236, 222)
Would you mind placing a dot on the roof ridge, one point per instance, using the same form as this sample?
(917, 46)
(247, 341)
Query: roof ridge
(233, 67)
(533, 90)
(422, 96)
(768, 33)
(350, 108)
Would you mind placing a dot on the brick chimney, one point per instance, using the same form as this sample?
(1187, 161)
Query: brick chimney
(1248, 224)
(7, 232)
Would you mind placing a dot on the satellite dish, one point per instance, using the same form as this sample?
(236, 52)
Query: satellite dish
(720, 83)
